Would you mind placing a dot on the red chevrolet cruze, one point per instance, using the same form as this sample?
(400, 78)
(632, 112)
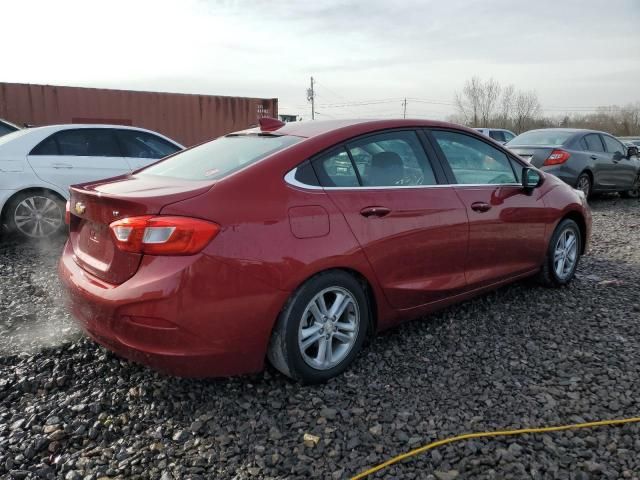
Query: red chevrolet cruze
(293, 242)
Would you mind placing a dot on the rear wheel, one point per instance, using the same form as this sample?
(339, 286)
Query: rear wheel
(584, 184)
(35, 215)
(563, 255)
(321, 329)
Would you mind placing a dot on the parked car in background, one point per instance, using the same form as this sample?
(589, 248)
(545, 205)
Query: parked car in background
(500, 135)
(37, 166)
(296, 241)
(629, 141)
(588, 160)
(7, 127)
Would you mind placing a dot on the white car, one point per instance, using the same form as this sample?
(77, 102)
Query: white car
(37, 166)
(500, 135)
(7, 127)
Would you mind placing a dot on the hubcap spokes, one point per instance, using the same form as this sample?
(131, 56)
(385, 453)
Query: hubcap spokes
(37, 217)
(565, 254)
(329, 328)
(584, 185)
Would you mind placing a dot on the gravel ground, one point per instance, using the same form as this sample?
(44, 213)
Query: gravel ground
(522, 356)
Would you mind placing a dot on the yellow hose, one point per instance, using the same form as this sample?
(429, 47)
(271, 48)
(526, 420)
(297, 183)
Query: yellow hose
(502, 433)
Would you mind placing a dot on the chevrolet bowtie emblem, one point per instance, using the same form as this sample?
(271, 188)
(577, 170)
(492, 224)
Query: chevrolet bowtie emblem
(80, 208)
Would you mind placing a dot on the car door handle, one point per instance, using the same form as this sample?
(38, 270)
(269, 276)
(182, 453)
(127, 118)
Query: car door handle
(594, 157)
(480, 207)
(61, 165)
(375, 211)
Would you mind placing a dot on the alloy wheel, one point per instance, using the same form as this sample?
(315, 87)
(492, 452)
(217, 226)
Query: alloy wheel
(584, 184)
(565, 254)
(329, 328)
(38, 217)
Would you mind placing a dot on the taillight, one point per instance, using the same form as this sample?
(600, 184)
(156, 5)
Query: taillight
(163, 235)
(556, 158)
(67, 213)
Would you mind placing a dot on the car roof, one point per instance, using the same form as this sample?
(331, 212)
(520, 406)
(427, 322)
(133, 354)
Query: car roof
(314, 128)
(49, 129)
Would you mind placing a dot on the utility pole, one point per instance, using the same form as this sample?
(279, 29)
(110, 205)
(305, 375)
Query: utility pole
(311, 97)
(404, 108)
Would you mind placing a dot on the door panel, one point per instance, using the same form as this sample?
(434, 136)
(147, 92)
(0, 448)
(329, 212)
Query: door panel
(64, 171)
(417, 249)
(506, 225)
(506, 239)
(413, 231)
(623, 170)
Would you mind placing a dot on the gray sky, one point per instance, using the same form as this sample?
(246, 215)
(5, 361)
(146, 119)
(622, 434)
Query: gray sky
(577, 54)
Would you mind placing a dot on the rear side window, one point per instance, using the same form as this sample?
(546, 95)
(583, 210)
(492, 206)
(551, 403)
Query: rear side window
(474, 162)
(508, 136)
(138, 144)
(497, 135)
(392, 159)
(89, 142)
(613, 145)
(335, 169)
(48, 146)
(592, 143)
(220, 157)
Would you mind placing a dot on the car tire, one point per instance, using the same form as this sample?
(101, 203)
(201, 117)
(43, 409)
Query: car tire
(555, 271)
(635, 193)
(35, 215)
(584, 183)
(305, 324)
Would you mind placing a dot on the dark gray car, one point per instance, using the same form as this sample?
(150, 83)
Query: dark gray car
(588, 160)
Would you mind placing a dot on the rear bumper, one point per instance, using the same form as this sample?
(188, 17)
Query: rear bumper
(567, 175)
(190, 316)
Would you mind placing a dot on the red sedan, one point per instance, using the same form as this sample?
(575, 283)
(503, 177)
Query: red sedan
(293, 242)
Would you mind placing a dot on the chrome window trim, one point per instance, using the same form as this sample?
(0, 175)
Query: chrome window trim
(291, 180)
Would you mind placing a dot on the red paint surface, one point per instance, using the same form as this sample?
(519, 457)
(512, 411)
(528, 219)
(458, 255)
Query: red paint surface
(212, 313)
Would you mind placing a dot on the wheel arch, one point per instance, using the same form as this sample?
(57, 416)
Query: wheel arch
(582, 225)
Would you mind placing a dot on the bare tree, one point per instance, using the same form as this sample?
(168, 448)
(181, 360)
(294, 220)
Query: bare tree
(478, 101)
(526, 107)
(506, 105)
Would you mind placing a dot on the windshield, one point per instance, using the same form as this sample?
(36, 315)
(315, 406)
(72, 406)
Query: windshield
(549, 138)
(221, 157)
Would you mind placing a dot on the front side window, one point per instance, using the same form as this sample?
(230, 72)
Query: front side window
(392, 159)
(612, 145)
(138, 144)
(89, 142)
(592, 143)
(221, 157)
(472, 161)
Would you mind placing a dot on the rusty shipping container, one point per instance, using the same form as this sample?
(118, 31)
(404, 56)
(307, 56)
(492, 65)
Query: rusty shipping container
(187, 118)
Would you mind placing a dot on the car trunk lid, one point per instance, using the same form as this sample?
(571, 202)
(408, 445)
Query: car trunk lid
(535, 155)
(94, 206)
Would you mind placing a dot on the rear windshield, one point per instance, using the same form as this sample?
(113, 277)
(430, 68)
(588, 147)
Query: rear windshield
(548, 138)
(220, 157)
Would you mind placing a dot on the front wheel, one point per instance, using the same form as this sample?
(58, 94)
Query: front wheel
(563, 255)
(321, 329)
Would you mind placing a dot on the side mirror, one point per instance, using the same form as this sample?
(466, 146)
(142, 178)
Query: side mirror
(632, 152)
(531, 178)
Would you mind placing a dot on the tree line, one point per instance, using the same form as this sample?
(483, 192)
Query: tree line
(486, 103)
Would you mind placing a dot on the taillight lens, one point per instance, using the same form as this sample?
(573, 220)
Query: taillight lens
(67, 212)
(557, 157)
(163, 235)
